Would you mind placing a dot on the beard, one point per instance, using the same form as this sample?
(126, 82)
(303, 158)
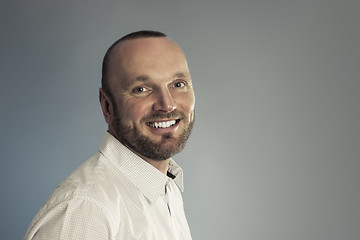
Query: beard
(143, 145)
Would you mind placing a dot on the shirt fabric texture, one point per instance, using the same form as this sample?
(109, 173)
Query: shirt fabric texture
(114, 195)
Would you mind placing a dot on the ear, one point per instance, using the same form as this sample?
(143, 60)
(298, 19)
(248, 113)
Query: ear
(106, 106)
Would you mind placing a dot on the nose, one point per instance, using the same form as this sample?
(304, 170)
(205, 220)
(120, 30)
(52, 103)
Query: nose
(164, 101)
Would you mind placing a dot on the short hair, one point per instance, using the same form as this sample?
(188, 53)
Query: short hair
(106, 60)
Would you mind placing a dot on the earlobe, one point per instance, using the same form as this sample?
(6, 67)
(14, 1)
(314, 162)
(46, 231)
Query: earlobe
(106, 106)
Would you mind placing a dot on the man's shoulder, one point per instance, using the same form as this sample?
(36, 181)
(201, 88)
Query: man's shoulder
(93, 182)
(86, 195)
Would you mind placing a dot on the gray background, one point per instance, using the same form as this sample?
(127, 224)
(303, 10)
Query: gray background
(275, 150)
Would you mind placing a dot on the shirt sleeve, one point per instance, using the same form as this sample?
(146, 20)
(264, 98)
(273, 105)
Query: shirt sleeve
(75, 219)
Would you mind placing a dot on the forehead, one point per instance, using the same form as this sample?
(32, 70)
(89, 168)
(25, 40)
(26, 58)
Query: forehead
(146, 46)
(154, 57)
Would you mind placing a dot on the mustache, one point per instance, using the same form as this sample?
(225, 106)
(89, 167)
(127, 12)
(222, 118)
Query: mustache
(158, 116)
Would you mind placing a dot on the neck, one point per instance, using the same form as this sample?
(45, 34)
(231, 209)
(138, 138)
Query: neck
(162, 166)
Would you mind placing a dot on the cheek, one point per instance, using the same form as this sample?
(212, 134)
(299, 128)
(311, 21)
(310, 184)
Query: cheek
(187, 104)
(134, 111)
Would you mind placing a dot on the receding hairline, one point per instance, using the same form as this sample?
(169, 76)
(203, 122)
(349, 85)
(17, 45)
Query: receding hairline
(136, 35)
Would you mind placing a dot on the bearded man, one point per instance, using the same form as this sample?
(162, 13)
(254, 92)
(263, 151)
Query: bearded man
(130, 188)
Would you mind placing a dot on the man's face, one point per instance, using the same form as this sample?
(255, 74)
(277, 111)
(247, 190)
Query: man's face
(153, 97)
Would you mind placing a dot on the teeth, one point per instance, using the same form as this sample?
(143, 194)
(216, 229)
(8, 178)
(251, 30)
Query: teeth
(162, 124)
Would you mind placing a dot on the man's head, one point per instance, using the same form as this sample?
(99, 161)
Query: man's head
(147, 95)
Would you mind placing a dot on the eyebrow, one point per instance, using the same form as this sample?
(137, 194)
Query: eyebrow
(182, 75)
(145, 78)
(142, 78)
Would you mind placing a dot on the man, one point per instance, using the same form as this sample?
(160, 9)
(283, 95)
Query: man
(128, 189)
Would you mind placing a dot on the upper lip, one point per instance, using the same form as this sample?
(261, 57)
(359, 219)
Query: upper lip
(161, 120)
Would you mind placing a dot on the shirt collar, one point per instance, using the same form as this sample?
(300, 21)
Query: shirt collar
(150, 181)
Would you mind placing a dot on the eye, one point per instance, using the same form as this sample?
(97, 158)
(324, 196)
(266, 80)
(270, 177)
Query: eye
(179, 84)
(140, 90)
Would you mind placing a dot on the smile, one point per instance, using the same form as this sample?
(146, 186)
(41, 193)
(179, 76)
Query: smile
(165, 124)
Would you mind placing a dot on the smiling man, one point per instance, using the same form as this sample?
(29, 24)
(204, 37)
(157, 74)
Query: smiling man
(130, 188)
